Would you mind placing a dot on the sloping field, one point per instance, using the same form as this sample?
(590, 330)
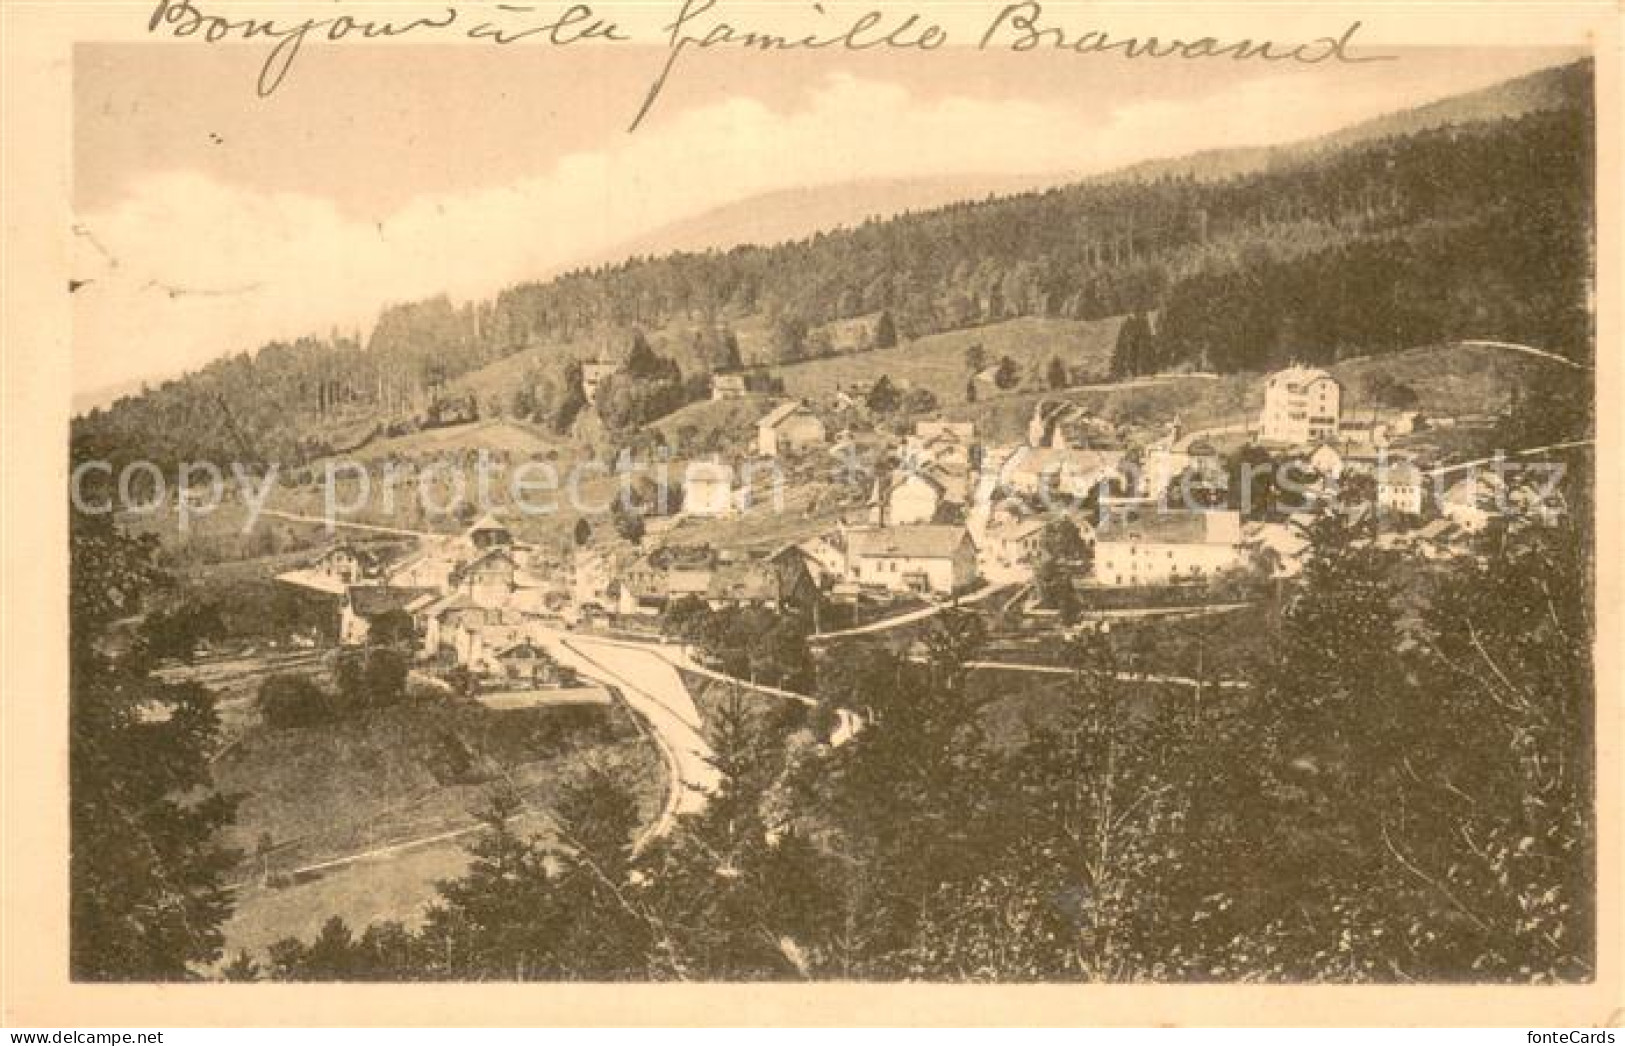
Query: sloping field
(516, 438)
(1449, 380)
(383, 804)
(937, 362)
(705, 421)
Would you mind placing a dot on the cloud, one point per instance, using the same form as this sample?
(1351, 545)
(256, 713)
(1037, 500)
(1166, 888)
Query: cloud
(186, 268)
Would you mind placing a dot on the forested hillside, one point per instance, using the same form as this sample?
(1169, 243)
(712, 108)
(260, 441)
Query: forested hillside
(1472, 230)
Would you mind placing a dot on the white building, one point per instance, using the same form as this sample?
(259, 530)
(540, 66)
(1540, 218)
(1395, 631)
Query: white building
(1301, 405)
(728, 387)
(906, 497)
(708, 489)
(825, 555)
(334, 571)
(1165, 461)
(1401, 488)
(1149, 547)
(489, 580)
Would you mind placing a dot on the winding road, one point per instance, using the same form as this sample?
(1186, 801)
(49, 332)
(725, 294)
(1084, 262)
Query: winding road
(1445, 470)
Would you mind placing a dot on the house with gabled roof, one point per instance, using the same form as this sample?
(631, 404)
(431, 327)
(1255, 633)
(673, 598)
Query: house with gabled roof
(744, 585)
(339, 566)
(1157, 546)
(1012, 546)
(1326, 460)
(905, 497)
(524, 661)
(488, 532)
(921, 559)
(488, 579)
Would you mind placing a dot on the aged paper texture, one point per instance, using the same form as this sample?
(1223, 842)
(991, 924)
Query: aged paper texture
(709, 512)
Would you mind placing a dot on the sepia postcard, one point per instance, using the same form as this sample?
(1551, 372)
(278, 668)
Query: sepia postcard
(704, 512)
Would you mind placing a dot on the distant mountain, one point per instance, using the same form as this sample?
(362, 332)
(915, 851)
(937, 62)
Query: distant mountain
(792, 214)
(1560, 87)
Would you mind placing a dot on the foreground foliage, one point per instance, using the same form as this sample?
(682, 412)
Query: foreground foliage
(1404, 794)
(146, 897)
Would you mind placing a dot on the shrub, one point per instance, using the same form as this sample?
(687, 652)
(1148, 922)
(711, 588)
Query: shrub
(371, 678)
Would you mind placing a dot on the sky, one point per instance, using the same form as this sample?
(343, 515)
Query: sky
(209, 221)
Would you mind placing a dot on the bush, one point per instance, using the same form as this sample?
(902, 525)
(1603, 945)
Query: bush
(371, 678)
(287, 701)
(919, 401)
(176, 633)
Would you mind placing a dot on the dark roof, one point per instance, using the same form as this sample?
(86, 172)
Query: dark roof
(523, 648)
(347, 548)
(921, 541)
(373, 600)
(1399, 472)
(746, 582)
(902, 476)
(783, 411)
(1174, 527)
(488, 524)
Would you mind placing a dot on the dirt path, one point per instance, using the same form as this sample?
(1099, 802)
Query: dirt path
(888, 623)
(330, 523)
(1445, 470)
(1126, 677)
